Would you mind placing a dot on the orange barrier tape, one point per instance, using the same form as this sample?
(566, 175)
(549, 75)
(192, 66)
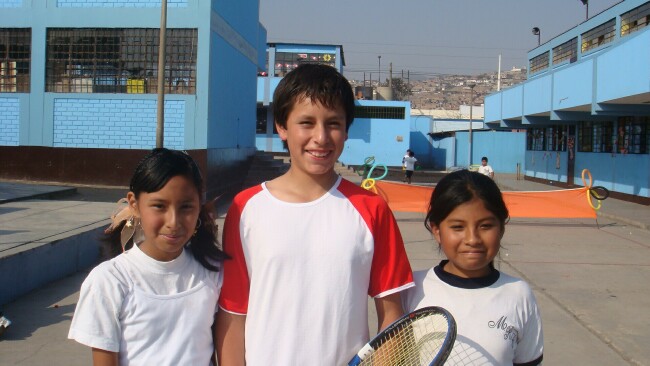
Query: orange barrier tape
(566, 203)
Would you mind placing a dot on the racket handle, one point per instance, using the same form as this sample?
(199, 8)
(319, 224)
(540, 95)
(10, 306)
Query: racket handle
(362, 354)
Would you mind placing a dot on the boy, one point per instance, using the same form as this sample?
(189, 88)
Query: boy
(485, 169)
(308, 247)
(409, 166)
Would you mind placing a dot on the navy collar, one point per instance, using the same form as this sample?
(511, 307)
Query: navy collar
(466, 283)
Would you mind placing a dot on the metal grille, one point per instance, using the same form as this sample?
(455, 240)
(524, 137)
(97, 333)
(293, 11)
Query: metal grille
(602, 137)
(15, 57)
(107, 60)
(566, 51)
(535, 139)
(585, 137)
(635, 19)
(556, 138)
(379, 112)
(632, 135)
(539, 63)
(599, 36)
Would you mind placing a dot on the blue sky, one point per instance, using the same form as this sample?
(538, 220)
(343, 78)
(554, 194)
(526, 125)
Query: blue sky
(426, 37)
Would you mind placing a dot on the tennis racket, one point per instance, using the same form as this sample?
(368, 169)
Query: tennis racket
(423, 337)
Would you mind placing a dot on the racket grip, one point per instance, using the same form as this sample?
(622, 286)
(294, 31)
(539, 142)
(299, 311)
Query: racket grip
(362, 354)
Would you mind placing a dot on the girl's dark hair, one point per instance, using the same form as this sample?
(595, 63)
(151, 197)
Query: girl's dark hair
(460, 187)
(151, 175)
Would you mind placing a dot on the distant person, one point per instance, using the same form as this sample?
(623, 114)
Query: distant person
(485, 169)
(154, 304)
(308, 247)
(406, 155)
(497, 316)
(409, 166)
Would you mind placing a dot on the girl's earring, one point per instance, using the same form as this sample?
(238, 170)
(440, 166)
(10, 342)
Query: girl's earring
(138, 233)
(127, 232)
(198, 225)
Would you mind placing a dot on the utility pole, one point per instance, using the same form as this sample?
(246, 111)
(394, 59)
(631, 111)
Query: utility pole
(160, 121)
(471, 104)
(379, 77)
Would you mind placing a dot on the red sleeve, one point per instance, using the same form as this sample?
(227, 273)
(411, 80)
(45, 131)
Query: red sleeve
(390, 265)
(391, 270)
(236, 283)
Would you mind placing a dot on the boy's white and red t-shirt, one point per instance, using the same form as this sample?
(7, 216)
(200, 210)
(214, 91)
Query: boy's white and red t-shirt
(302, 272)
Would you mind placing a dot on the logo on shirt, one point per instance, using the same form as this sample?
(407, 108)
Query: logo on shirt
(509, 332)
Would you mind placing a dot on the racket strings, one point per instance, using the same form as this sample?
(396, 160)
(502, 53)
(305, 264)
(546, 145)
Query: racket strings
(413, 343)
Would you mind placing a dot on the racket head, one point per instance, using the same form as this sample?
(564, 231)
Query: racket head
(422, 337)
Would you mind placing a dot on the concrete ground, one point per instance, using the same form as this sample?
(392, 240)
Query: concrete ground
(590, 278)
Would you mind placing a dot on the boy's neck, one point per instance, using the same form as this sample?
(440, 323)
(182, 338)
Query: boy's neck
(300, 188)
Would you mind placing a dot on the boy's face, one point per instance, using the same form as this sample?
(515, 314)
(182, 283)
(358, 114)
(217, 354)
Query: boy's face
(315, 136)
(484, 162)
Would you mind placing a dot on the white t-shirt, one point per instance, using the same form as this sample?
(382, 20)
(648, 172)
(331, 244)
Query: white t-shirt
(409, 162)
(486, 170)
(151, 312)
(302, 272)
(497, 317)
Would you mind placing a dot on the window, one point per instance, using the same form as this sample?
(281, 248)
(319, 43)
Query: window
(550, 138)
(585, 137)
(535, 139)
(379, 112)
(565, 51)
(635, 19)
(15, 57)
(556, 138)
(539, 63)
(103, 60)
(632, 135)
(602, 137)
(595, 136)
(261, 119)
(599, 36)
(287, 61)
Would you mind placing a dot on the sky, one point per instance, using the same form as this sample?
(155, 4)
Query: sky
(424, 37)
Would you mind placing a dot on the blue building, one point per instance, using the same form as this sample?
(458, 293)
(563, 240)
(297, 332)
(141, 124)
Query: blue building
(380, 128)
(78, 100)
(586, 104)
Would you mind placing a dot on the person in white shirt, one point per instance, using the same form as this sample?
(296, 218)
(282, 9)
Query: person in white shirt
(497, 317)
(406, 155)
(309, 247)
(155, 303)
(485, 169)
(409, 166)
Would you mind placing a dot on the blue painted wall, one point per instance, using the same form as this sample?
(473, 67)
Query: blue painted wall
(229, 35)
(115, 123)
(232, 98)
(420, 142)
(9, 121)
(572, 87)
(625, 69)
(378, 137)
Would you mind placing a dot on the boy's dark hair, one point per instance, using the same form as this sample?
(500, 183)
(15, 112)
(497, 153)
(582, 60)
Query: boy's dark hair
(411, 153)
(151, 175)
(484, 158)
(460, 187)
(320, 83)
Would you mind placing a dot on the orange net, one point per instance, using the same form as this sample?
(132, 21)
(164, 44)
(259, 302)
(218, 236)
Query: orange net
(565, 203)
